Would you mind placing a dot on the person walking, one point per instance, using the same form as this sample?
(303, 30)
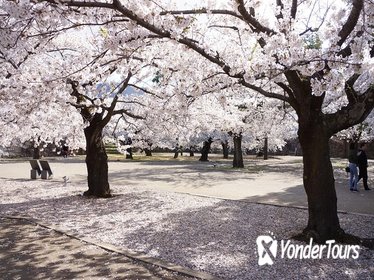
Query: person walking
(353, 161)
(363, 165)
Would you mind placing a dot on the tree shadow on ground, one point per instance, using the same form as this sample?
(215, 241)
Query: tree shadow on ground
(217, 236)
(292, 196)
(221, 239)
(180, 175)
(32, 252)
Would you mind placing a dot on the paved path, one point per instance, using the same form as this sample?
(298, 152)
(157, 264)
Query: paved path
(276, 181)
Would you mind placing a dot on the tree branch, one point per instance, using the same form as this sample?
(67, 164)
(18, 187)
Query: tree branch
(264, 92)
(292, 100)
(354, 113)
(281, 6)
(76, 25)
(84, 110)
(351, 22)
(294, 9)
(145, 90)
(202, 11)
(128, 113)
(349, 91)
(117, 5)
(110, 110)
(248, 18)
(71, 3)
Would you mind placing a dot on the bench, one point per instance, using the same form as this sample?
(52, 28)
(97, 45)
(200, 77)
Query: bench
(46, 170)
(35, 169)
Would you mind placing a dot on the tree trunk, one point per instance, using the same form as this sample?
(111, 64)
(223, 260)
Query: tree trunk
(176, 154)
(319, 184)
(238, 153)
(36, 153)
(129, 153)
(225, 149)
(205, 150)
(266, 148)
(346, 148)
(97, 162)
(148, 152)
(192, 151)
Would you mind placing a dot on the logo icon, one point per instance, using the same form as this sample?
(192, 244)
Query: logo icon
(267, 249)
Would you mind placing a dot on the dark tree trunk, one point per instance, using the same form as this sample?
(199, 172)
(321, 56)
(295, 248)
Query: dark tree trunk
(129, 153)
(96, 157)
(96, 161)
(176, 150)
(36, 153)
(225, 149)
(319, 184)
(315, 130)
(266, 148)
(238, 153)
(205, 150)
(192, 154)
(148, 152)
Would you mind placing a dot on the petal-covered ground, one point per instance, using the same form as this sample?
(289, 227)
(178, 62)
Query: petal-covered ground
(208, 234)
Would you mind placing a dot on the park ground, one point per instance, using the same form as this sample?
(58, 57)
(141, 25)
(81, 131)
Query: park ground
(198, 216)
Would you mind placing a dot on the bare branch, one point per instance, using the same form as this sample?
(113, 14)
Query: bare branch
(292, 99)
(351, 22)
(257, 26)
(294, 9)
(349, 91)
(145, 90)
(354, 113)
(264, 92)
(202, 11)
(82, 68)
(84, 110)
(128, 113)
(224, 26)
(111, 109)
(281, 6)
(70, 3)
(131, 102)
(77, 25)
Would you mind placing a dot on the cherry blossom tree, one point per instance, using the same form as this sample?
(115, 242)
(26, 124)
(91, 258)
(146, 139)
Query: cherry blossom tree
(27, 114)
(313, 56)
(45, 99)
(273, 56)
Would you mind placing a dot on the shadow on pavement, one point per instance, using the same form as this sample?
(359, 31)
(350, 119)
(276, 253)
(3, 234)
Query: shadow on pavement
(32, 252)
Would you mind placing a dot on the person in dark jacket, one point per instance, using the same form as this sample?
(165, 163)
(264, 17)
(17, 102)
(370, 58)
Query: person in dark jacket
(363, 166)
(353, 162)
